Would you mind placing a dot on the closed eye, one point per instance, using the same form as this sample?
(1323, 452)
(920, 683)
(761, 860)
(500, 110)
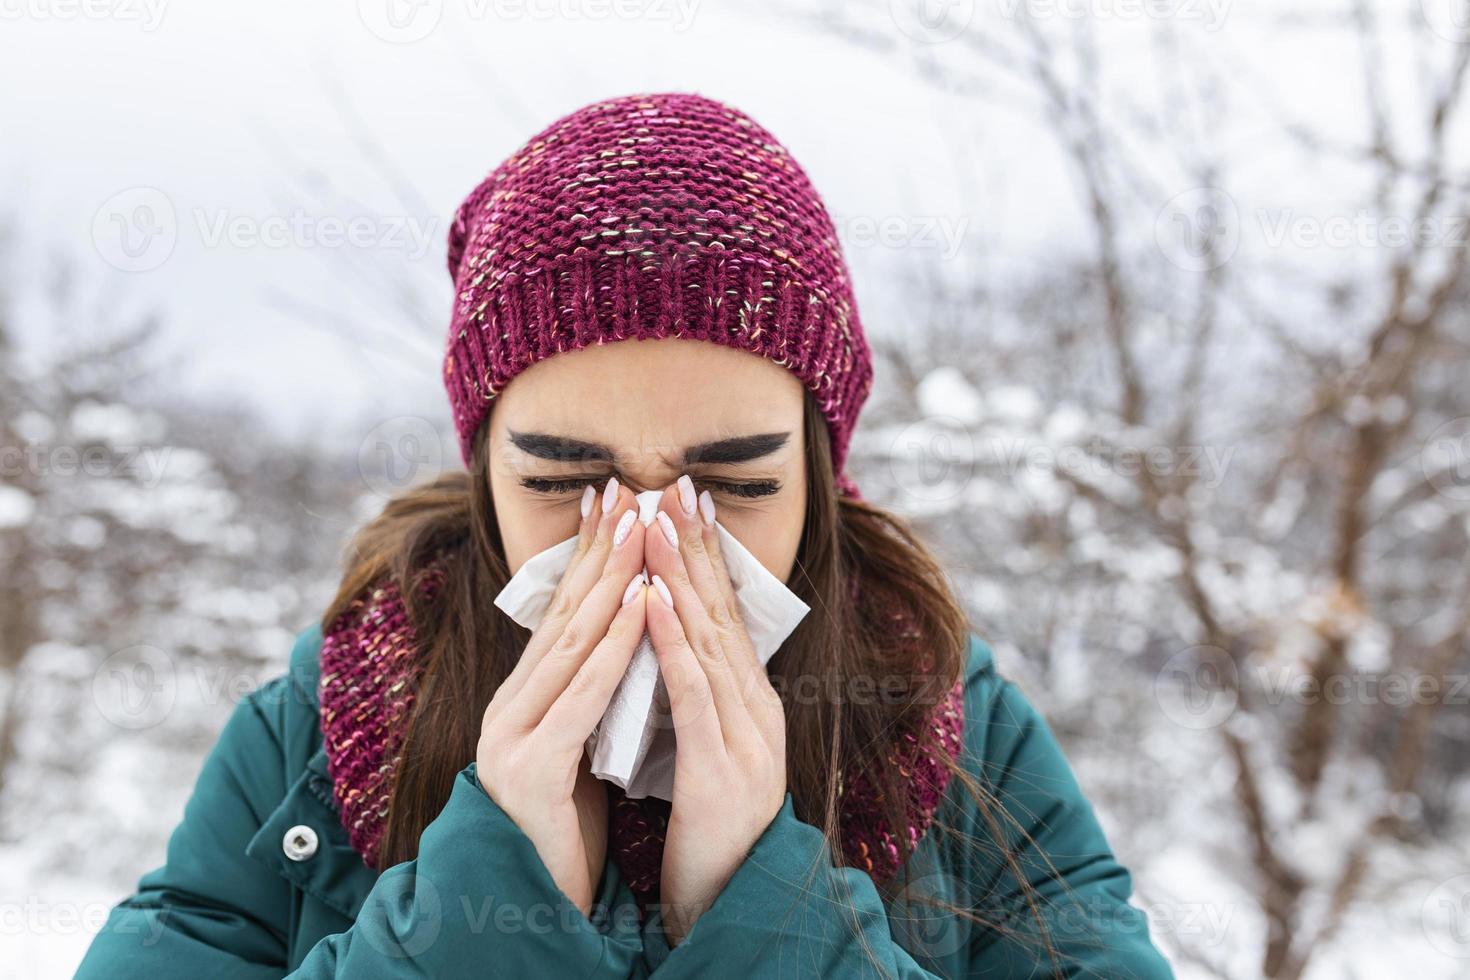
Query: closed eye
(750, 489)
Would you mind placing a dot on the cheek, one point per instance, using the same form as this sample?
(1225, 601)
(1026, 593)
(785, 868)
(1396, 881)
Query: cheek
(526, 526)
(772, 536)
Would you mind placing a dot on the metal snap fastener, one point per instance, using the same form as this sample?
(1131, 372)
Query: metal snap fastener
(299, 842)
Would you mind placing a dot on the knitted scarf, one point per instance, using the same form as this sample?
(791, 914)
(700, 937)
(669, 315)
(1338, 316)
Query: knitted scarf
(369, 673)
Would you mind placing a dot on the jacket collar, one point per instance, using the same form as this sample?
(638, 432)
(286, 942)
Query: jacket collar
(335, 874)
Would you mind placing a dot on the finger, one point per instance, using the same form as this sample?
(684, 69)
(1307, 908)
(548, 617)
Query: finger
(576, 581)
(591, 511)
(717, 636)
(593, 548)
(706, 639)
(553, 666)
(710, 536)
(577, 710)
(682, 508)
(691, 700)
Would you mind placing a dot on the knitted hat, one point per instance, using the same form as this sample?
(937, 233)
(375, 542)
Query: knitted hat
(661, 215)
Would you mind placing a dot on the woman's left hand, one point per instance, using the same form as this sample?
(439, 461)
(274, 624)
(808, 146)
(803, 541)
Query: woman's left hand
(730, 769)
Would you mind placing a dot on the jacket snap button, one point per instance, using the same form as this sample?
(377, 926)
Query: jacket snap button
(299, 843)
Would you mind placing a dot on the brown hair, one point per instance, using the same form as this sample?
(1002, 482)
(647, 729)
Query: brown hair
(907, 625)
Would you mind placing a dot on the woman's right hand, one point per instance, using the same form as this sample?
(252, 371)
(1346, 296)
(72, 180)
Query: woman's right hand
(530, 753)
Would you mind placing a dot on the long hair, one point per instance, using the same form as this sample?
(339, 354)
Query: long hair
(882, 608)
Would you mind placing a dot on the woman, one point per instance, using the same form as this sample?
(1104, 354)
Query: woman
(413, 799)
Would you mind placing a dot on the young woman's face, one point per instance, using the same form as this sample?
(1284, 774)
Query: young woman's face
(647, 411)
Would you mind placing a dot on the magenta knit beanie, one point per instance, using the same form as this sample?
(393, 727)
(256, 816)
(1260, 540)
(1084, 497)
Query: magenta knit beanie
(662, 215)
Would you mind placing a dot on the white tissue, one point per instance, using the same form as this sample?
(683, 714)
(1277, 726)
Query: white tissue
(633, 745)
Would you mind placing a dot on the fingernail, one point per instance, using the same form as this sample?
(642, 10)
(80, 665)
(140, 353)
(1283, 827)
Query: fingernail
(625, 524)
(633, 588)
(707, 508)
(663, 591)
(686, 494)
(668, 526)
(588, 494)
(610, 495)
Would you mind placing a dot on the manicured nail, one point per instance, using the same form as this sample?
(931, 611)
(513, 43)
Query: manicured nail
(610, 495)
(668, 526)
(625, 524)
(707, 508)
(588, 495)
(633, 588)
(686, 494)
(663, 591)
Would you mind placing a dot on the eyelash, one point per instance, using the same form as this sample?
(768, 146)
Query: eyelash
(759, 488)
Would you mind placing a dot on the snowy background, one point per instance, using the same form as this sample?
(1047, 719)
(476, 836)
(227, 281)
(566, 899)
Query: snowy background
(1170, 298)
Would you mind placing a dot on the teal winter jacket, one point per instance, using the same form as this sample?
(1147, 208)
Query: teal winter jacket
(260, 882)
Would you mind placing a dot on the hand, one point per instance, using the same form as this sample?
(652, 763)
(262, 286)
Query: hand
(531, 757)
(730, 769)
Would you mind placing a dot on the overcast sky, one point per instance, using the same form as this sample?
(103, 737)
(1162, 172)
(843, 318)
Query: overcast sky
(228, 124)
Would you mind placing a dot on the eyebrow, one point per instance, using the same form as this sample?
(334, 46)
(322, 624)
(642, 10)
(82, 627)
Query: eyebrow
(564, 449)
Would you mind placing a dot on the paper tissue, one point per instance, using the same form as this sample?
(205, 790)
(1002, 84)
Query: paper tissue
(633, 745)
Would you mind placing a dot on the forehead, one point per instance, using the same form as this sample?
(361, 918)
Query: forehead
(652, 396)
